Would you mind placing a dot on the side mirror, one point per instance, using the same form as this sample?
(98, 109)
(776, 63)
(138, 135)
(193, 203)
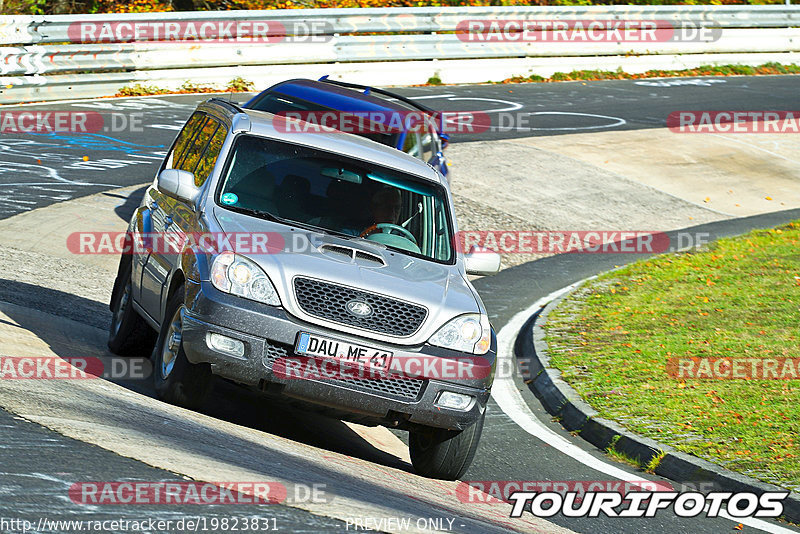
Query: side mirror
(482, 262)
(178, 184)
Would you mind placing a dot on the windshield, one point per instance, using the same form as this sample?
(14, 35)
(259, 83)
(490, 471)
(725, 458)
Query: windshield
(338, 194)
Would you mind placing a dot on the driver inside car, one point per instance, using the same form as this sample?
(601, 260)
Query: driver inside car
(385, 207)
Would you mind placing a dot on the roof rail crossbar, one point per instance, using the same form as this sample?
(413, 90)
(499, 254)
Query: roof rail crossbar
(407, 100)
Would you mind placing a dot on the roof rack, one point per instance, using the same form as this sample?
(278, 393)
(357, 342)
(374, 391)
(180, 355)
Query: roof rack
(226, 103)
(407, 100)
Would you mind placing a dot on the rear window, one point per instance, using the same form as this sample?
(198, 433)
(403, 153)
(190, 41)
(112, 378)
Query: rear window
(278, 102)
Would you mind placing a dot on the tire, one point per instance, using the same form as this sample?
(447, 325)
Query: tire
(444, 454)
(128, 333)
(176, 379)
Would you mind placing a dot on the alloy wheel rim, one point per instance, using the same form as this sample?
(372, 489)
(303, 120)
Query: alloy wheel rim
(120, 311)
(172, 344)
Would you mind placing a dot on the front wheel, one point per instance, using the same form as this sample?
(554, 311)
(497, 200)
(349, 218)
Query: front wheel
(176, 379)
(444, 454)
(128, 333)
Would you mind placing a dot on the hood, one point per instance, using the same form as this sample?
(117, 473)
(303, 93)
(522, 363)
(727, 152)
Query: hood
(441, 289)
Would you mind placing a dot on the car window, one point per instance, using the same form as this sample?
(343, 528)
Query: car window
(198, 145)
(427, 146)
(411, 144)
(209, 157)
(188, 131)
(278, 103)
(340, 194)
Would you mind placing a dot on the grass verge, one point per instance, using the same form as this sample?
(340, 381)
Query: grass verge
(619, 74)
(738, 298)
(240, 85)
(237, 85)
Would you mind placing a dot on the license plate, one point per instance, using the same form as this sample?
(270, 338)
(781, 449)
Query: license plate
(323, 347)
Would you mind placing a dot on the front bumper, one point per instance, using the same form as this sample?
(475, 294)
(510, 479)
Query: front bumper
(269, 334)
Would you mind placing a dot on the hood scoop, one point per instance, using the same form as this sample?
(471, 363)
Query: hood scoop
(352, 255)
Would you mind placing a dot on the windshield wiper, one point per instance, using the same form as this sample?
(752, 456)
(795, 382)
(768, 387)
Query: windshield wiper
(257, 213)
(315, 228)
(274, 218)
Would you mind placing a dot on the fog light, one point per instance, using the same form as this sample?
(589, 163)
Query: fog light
(455, 401)
(225, 344)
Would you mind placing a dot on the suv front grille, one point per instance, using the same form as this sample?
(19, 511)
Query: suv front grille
(329, 301)
(401, 388)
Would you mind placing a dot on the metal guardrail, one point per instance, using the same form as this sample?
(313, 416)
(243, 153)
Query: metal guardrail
(32, 46)
(159, 55)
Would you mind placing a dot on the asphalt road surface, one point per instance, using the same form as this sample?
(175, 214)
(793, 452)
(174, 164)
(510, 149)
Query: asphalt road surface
(42, 169)
(39, 466)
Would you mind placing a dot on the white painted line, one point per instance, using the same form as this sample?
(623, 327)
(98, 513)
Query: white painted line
(513, 106)
(10, 200)
(510, 400)
(448, 95)
(87, 184)
(618, 120)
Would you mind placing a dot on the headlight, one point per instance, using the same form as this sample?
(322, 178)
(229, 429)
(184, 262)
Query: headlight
(240, 276)
(466, 333)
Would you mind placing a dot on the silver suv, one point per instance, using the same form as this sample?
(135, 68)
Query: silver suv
(321, 269)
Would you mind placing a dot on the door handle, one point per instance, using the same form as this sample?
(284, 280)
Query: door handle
(167, 221)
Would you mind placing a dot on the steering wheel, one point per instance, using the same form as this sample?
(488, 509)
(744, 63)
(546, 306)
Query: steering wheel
(387, 228)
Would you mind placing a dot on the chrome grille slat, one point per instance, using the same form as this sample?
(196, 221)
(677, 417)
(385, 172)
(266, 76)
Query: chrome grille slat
(329, 301)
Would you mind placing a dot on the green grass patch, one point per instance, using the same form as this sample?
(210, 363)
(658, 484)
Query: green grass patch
(620, 456)
(236, 85)
(240, 85)
(654, 462)
(191, 87)
(737, 298)
(619, 74)
(141, 90)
